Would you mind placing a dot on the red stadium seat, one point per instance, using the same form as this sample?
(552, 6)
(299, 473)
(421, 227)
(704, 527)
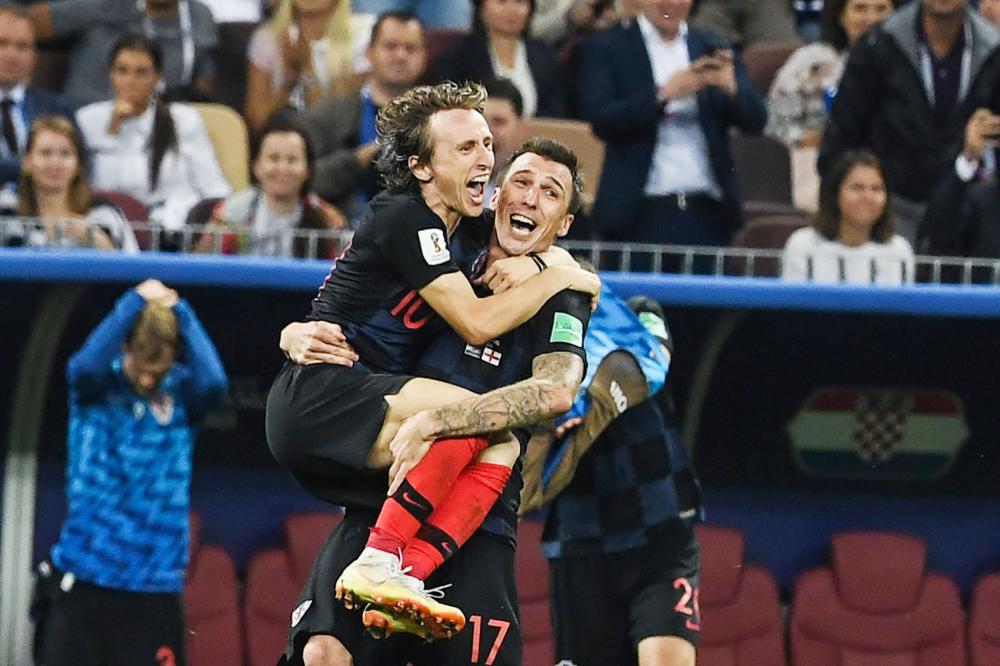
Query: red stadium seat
(211, 604)
(133, 210)
(741, 621)
(532, 572)
(984, 622)
(274, 579)
(876, 605)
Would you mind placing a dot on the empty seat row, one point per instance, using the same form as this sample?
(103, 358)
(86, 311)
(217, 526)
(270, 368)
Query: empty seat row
(875, 604)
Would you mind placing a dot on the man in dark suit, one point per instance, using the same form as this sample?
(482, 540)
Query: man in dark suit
(343, 128)
(663, 98)
(20, 104)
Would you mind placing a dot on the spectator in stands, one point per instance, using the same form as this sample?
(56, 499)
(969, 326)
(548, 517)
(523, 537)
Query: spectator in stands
(852, 237)
(183, 29)
(747, 22)
(909, 87)
(498, 47)
(963, 216)
(556, 20)
(436, 14)
(113, 585)
(155, 151)
(806, 83)
(504, 113)
(342, 127)
(663, 98)
(268, 217)
(20, 103)
(53, 190)
(309, 48)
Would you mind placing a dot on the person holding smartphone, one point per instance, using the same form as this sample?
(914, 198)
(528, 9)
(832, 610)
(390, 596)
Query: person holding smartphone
(963, 216)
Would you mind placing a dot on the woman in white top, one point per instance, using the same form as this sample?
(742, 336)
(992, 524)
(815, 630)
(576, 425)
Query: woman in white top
(309, 49)
(852, 237)
(273, 216)
(53, 190)
(157, 152)
(805, 85)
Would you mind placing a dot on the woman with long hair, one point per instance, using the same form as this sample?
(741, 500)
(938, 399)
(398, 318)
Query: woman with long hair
(499, 47)
(805, 85)
(270, 216)
(155, 151)
(53, 190)
(309, 49)
(852, 238)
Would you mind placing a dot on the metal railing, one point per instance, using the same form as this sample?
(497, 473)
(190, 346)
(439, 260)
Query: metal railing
(605, 255)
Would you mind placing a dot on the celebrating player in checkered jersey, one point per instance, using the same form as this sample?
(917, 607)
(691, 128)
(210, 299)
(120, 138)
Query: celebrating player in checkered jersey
(538, 353)
(327, 423)
(623, 561)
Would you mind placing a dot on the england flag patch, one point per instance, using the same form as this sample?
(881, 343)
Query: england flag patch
(486, 354)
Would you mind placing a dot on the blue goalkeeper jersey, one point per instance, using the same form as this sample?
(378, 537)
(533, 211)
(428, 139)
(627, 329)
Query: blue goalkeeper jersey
(129, 470)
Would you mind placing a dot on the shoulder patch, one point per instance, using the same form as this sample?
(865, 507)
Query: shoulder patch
(567, 328)
(434, 246)
(300, 611)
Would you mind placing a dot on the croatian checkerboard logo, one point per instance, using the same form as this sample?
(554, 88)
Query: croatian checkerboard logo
(878, 433)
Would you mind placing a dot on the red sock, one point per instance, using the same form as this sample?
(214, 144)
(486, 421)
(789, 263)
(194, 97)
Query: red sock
(456, 518)
(424, 487)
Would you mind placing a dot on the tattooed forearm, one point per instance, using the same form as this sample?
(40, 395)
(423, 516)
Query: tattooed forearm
(549, 392)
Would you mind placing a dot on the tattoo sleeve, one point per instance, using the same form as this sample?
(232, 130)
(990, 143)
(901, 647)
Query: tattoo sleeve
(549, 392)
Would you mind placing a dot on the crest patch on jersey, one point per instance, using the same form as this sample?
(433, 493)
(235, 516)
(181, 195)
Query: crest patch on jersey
(300, 611)
(567, 328)
(434, 246)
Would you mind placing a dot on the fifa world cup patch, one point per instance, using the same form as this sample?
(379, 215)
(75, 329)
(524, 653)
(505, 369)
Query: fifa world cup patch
(433, 246)
(300, 611)
(567, 328)
(488, 354)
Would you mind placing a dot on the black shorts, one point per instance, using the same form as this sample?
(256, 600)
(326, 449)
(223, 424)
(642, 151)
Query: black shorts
(482, 585)
(80, 624)
(604, 604)
(322, 421)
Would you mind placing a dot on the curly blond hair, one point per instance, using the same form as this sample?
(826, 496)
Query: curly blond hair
(154, 333)
(404, 127)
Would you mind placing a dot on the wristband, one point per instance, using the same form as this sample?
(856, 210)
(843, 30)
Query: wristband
(538, 261)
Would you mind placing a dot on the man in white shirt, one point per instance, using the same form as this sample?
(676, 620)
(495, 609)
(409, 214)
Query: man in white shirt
(664, 97)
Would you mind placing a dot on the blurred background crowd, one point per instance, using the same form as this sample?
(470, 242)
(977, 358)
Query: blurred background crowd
(839, 138)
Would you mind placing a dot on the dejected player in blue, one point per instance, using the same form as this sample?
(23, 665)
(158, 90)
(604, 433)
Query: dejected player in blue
(110, 593)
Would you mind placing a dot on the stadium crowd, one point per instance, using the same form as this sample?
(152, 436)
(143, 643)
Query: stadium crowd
(122, 130)
(136, 88)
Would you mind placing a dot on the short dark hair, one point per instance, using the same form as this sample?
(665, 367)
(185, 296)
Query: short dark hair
(403, 127)
(477, 23)
(283, 122)
(397, 15)
(555, 151)
(136, 42)
(831, 31)
(827, 220)
(501, 88)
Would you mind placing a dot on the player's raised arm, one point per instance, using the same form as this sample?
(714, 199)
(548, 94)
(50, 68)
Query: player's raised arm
(479, 320)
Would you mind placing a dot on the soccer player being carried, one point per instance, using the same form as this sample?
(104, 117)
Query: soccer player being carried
(332, 426)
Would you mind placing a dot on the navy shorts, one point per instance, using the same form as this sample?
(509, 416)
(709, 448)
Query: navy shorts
(603, 604)
(321, 422)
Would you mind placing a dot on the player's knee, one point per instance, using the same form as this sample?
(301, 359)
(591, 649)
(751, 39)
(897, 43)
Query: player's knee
(502, 453)
(666, 651)
(326, 651)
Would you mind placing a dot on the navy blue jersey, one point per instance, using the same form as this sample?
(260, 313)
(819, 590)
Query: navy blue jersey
(559, 326)
(399, 248)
